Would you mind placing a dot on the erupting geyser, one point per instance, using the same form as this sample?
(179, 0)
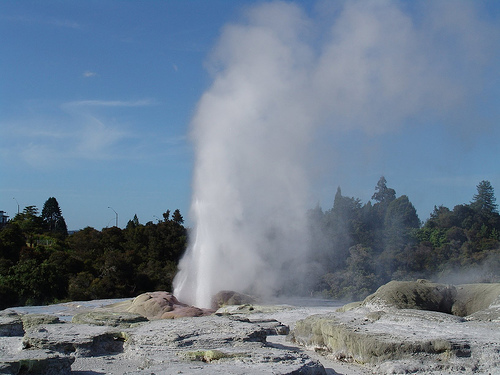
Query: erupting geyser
(250, 190)
(278, 75)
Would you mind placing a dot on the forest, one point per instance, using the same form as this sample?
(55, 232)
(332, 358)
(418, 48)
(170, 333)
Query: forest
(41, 264)
(363, 246)
(354, 248)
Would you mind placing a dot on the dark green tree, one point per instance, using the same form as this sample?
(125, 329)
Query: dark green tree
(383, 197)
(11, 242)
(166, 215)
(340, 226)
(177, 217)
(52, 217)
(383, 194)
(37, 279)
(134, 223)
(346, 216)
(30, 223)
(484, 201)
(401, 215)
(86, 245)
(401, 224)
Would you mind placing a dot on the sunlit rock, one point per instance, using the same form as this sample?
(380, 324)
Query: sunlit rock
(407, 327)
(159, 305)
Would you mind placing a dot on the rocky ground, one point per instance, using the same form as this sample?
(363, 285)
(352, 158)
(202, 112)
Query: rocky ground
(413, 327)
(90, 338)
(390, 333)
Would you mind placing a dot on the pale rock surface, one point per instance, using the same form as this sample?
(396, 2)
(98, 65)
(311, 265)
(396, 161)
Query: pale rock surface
(33, 320)
(108, 318)
(239, 343)
(11, 324)
(206, 345)
(40, 362)
(82, 340)
(388, 333)
(15, 360)
(391, 331)
(460, 300)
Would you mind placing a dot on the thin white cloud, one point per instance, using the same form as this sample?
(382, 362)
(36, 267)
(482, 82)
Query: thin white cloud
(27, 20)
(40, 155)
(34, 130)
(175, 140)
(110, 103)
(97, 140)
(41, 143)
(65, 23)
(89, 74)
(81, 130)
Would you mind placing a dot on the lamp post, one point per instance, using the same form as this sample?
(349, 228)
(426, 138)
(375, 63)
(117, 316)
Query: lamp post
(116, 216)
(17, 205)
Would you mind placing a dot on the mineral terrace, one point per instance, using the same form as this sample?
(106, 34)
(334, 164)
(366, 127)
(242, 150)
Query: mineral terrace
(405, 327)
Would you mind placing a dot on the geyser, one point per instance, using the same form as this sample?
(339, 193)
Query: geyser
(278, 76)
(250, 189)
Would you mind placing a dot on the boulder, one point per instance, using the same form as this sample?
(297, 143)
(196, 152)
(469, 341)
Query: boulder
(475, 301)
(229, 297)
(158, 305)
(420, 295)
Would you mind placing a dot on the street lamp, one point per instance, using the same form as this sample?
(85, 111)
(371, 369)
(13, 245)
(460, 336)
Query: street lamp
(17, 205)
(116, 216)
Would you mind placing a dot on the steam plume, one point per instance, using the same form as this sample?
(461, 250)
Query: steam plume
(278, 76)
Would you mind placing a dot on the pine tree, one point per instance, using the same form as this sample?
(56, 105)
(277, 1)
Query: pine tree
(484, 200)
(52, 217)
(383, 194)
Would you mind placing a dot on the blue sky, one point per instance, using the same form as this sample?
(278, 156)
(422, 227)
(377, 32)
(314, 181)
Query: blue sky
(96, 99)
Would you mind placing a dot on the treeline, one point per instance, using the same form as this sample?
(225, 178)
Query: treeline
(40, 263)
(355, 248)
(362, 246)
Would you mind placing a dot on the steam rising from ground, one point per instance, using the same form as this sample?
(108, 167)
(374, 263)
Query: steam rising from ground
(280, 75)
